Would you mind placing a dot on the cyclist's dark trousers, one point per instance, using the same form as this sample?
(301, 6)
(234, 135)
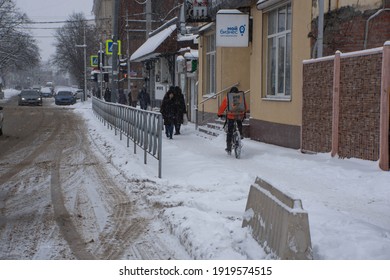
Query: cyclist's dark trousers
(229, 135)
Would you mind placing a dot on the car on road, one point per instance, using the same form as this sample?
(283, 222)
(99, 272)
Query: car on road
(37, 87)
(64, 97)
(47, 92)
(30, 97)
(1, 120)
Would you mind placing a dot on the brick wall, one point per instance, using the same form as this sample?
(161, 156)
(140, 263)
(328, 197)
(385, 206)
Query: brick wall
(360, 88)
(359, 117)
(345, 30)
(317, 106)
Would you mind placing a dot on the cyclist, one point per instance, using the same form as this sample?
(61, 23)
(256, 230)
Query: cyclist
(236, 107)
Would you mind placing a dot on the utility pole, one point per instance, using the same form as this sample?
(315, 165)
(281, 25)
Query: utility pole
(84, 46)
(148, 12)
(101, 69)
(128, 52)
(85, 66)
(114, 91)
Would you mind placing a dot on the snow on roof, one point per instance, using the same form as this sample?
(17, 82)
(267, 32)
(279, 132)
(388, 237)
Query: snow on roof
(229, 11)
(189, 53)
(146, 50)
(188, 37)
(192, 54)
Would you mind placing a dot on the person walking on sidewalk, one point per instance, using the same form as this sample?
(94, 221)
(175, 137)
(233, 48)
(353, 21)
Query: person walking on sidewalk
(143, 98)
(122, 97)
(168, 111)
(180, 109)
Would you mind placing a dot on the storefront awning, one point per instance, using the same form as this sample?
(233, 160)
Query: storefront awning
(147, 49)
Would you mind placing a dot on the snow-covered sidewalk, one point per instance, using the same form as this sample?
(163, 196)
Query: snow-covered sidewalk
(203, 193)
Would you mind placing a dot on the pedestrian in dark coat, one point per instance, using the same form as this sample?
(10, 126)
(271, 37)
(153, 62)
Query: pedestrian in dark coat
(107, 95)
(180, 109)
(143, 98)
(122, 97)
(168, 111)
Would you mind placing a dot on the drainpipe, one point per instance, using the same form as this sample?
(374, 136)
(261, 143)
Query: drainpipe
(370, 18)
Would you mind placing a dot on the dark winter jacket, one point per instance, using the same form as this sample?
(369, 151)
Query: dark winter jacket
(168, 109)
(180, 105)
(144, 99)
(107, 95)
(122, 98)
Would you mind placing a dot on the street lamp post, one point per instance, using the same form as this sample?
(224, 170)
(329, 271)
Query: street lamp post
(85, 69)
(116, 4)
(84, 46)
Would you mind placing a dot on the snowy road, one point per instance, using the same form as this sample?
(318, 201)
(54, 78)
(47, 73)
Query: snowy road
(58, 198)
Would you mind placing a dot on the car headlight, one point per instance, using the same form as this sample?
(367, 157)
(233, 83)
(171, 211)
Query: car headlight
(23, 98)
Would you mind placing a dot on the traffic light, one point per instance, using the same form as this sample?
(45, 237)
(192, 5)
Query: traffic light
(123, 66)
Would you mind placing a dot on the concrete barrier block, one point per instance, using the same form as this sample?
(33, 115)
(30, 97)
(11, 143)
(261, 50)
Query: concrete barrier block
(278, 222)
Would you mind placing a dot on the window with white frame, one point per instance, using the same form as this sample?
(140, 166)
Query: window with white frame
(210, 63)
(279, 52)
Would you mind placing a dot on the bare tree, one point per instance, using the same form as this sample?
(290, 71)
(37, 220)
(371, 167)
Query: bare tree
(18, 49)
(68, 57)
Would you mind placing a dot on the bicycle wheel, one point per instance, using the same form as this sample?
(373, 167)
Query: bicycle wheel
(237, 144)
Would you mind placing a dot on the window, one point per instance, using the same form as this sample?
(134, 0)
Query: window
(210, 64)
(279, 52)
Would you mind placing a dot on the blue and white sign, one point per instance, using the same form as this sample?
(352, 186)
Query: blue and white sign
(94, 60)
(109, 45)
(232, 29)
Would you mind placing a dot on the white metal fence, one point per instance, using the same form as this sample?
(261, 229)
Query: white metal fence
(143, 127)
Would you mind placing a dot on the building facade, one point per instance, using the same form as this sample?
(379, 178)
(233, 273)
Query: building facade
(283, 34)
(137, 19)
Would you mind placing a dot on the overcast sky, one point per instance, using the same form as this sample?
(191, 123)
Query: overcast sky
(51, 11)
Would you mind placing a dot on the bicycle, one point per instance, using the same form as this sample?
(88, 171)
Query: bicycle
(236, 141)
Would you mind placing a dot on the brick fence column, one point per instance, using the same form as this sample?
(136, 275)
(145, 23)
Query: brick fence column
(385, 107)
(336, 104)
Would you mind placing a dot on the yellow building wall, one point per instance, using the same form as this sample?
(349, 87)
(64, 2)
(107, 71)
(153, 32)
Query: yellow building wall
(210, 105)
(287, 112)
(232, 66)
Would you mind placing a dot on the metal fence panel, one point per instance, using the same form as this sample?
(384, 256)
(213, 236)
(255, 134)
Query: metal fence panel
(143, 127)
